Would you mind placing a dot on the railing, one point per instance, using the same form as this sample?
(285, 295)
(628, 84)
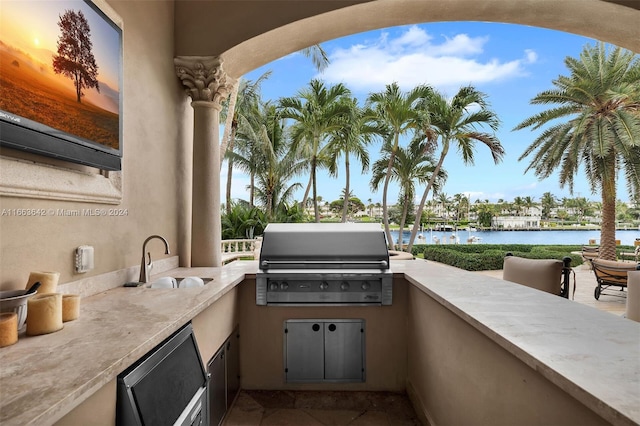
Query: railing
(236, 249)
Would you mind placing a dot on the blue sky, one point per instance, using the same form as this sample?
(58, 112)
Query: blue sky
(510, 63)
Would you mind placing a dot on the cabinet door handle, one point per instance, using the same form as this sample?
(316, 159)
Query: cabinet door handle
(315, 327)
(332, 327)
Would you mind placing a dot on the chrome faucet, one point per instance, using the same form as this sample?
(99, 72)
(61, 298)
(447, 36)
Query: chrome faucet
(145, 266)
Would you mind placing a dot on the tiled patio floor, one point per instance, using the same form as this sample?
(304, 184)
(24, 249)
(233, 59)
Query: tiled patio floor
(311, 408)
(612, 300)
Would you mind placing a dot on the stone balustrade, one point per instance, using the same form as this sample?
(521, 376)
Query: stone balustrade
(240, 248)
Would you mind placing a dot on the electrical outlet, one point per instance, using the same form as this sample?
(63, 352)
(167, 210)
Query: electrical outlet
(84, 259)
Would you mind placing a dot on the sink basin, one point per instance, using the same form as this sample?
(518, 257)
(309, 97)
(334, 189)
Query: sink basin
(204, 280)
(167, 282)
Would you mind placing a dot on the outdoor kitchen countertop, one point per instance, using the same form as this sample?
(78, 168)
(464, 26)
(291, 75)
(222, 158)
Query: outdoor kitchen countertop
(592, 355)
(44, 377)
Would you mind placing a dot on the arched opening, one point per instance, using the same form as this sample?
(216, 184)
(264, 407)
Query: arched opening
(255, 33)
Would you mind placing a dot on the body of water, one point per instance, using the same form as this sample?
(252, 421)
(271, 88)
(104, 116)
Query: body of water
(573, 237)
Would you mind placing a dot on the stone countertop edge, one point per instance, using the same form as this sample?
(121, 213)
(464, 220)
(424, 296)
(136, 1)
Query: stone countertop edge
(596, 361)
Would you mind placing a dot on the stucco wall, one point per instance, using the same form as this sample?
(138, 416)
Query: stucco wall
(458, 376)
(153, 105)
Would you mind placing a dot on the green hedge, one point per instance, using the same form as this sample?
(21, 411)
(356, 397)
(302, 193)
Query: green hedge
(484, 257)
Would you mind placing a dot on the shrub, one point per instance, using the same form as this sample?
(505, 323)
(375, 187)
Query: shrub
(484, 257)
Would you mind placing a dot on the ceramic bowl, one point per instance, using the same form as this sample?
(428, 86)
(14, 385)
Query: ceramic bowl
(15, 301)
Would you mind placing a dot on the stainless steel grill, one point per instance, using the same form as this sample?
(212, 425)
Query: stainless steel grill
(324, 264)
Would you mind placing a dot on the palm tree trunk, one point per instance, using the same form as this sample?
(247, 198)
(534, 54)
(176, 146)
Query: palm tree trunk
(230, 167)
(228, 123)
(303, 204)
(345, 206)
(269, 206)
(385, 212)
(402, 220)
(315, 192)
(416, 224)
(387, 178)
(252, 181)
(608, 225)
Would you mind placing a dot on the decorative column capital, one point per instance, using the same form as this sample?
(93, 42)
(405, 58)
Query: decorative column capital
(204, 78)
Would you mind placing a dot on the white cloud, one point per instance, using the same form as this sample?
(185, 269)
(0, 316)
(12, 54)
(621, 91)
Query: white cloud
(415, 57)
(531, 56)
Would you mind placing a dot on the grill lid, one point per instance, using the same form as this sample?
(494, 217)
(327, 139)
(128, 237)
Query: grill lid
(324, 246)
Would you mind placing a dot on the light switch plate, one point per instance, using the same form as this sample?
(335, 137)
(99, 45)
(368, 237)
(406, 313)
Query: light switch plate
(84, 259)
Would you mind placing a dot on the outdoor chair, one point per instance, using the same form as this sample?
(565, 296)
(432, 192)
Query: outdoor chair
(549, 275)
(590, 252)
(635, 255)
(611, 273)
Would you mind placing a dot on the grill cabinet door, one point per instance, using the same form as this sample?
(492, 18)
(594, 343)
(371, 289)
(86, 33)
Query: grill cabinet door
(217, 388)
(232, 355)
(304, 351)
(343, 351)
(324, 350)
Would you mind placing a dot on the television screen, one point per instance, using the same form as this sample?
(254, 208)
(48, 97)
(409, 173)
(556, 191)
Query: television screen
(60, 81)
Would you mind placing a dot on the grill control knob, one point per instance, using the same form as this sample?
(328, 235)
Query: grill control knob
(324, 285)
(344, 286)
(365, 285)
(273, 286)
(284, 285)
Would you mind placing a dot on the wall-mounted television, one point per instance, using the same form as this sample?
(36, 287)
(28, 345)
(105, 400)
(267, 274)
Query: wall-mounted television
(61, 81)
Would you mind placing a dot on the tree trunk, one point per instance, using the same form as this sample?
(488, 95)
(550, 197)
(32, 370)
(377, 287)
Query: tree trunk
(228, 123)
(315, 192)
(416, 224)
(387, 178)
(608, 225)
(269, 206)
(230, 166)
(403, 217)
(252, 180)
(305, 197)
(345, 206)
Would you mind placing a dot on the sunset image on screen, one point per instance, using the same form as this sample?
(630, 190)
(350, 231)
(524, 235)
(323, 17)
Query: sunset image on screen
(60, 65)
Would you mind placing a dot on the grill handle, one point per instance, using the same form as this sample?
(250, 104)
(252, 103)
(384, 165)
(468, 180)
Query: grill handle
(382, 264)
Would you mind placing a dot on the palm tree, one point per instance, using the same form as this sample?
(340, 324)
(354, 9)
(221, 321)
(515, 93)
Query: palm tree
(317, 111)
(518, 205)
(247, 95)
(398, 113)
(599, 105)
(529, 203)
(276, 162)
(456, 121)
(245, 92)
(319, 59)
(242, 221)
(445, 201)
(485, 212)
(548, 203)
(460, 205)
(410, 166)
(318, 56)
(350, 138)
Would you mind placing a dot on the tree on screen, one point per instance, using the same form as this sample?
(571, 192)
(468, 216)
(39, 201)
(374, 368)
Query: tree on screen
(75, 57)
